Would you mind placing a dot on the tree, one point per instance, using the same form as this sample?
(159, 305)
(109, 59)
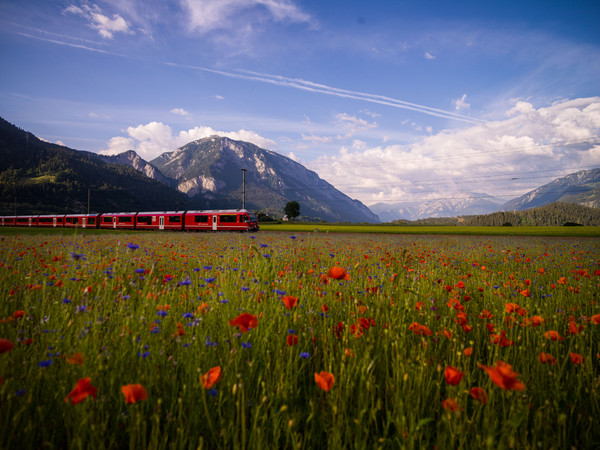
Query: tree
(292, 210)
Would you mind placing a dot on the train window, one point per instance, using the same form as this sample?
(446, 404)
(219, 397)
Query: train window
(45, 220)
(246, 218)
(22, 220)
(107, 219)
(91, 221)
(144, 219)
(174, 219)
(201, 219)
(228, 218)
(126, 219)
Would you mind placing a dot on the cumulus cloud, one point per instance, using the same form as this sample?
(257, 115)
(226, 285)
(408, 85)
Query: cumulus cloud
(105, 25)
(208, 15)
(155, 138)
(180, 112)
(505, 158)
(429, 56)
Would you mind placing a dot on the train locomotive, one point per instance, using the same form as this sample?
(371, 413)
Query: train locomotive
(206, 220)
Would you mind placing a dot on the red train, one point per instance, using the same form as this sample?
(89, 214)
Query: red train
(210, 220)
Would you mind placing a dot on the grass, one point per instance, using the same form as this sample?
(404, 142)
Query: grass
(155, 309)
(436, 230)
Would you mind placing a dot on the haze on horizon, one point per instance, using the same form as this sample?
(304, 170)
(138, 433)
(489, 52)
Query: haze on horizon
(388, 101)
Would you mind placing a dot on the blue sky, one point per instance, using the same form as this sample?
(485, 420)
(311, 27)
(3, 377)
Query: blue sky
(388, 100)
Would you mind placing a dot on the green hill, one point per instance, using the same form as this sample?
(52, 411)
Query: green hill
(40, 177)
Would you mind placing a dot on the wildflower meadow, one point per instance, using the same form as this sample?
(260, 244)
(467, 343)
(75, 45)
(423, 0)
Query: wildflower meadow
(276, 340)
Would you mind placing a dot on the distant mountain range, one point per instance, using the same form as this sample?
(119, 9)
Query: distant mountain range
(581, 188)
(465, 204)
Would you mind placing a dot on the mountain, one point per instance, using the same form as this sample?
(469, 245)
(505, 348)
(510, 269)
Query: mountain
(582, 188)
(209, 171)
(458, 205)
(39, 177)
(132, 159)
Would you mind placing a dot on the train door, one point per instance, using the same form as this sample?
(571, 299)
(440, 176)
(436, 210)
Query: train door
(114, 221)
(83, 222)
(214, 222)
(30, 221)
(54, 222)
(161, 222)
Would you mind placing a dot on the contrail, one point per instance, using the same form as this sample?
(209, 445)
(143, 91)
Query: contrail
(310, 86)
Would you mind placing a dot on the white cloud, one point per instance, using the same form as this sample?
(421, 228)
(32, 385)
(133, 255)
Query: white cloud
(429, 56)
(155, 138)
(105, 25)
(180, 112)
(505, 158)
(352, 124)
(208, 15)
(219, 97)
(461, 103)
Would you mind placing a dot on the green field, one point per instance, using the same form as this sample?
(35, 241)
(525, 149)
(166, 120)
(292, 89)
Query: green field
(437, 230)
(322, 340)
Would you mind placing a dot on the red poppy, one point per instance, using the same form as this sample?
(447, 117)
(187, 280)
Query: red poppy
(503, 376)
(453, 375)
(596, 319)
(338, 273)
(324, 380)
(451, 405)
(212, 377)
(292, 340)
(553, 336)
(338, 329)
(18, 314)
(75, 358)
(82, 390)
(547, 358)
(289, 301)
(468, 351)
(511, 307)
(134, 393)
(576, 358)
(479, 394)
(244, 322)
(419, 330)
(6, 345)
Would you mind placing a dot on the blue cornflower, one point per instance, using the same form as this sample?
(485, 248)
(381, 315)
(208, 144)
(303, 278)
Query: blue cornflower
(66, 301)
(210, 279)
(185, 281)
(188, 315)
(45, 362)
(162, 313)
(305, 355)
(246, 344)
(213, 392)
(140, 270)
(132, 246)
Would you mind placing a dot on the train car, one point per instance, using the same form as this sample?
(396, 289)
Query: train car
(166, 220)
(221, 220)
(51, 221)
(26, 221)
(8, 221)
(118, 220)
(81, 220)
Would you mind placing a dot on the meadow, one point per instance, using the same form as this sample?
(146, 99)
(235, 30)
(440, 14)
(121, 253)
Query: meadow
(305, 340)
